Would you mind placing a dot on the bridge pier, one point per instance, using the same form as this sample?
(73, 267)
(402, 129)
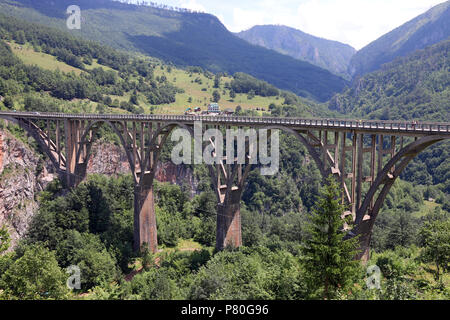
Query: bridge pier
(364, 231)
(72, 129)
(228, 232)
(145, 231)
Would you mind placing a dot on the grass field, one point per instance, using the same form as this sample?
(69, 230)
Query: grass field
(201, 98)
(95, 64)
(29, 56)
(428, 207)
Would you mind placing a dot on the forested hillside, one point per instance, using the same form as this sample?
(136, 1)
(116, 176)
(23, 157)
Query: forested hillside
(186, 39)
(96, 78)
(414, 87)
(425, 30)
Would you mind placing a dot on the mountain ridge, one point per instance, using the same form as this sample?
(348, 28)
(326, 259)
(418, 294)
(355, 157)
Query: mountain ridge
(424, 30)
(328, 54)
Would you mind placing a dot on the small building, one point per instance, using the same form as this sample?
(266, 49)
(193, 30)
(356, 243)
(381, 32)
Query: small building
(213, 108)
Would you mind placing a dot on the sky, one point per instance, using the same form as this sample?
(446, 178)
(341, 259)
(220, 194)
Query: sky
(354, 22)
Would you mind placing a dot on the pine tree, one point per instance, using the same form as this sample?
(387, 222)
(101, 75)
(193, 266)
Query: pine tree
(217, 81)
(4, 239)
(20, 37)
(216, 96)
(327, 259)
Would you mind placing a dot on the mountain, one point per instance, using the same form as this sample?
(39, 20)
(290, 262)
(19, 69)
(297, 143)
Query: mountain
(413, 87)
(72, 73)
(427, 29)
(184, 38)
(331, 55)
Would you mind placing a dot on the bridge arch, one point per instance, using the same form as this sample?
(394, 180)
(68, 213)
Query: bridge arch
(40, 137)
(309, 147)
(385, 180)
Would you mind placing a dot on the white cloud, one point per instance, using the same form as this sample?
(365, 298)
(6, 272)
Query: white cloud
(191, 4)
(245, 19)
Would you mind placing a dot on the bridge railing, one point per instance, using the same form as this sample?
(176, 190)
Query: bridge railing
(313, 122)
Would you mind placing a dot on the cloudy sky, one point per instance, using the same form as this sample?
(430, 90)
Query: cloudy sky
(355, 22)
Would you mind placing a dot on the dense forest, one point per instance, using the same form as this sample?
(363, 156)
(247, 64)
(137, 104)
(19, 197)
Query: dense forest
(413, 87)
(92, 227)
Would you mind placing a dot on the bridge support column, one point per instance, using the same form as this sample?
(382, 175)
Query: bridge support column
(71, 132)
(76, 154)
(145, 232)
(228, 232)
(364, 231)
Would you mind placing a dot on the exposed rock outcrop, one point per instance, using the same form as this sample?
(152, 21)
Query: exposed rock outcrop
(110, 159)
(22, 174)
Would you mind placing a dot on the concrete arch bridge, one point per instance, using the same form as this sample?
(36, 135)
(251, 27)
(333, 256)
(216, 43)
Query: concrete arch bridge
(339, 147)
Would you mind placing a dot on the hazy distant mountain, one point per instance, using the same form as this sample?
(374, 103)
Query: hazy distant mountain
(190, 39)
(424, 30)
(331, 55)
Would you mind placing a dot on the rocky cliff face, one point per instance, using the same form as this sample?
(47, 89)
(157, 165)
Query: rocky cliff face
(331, 55)
(110, 160)
(23, 173)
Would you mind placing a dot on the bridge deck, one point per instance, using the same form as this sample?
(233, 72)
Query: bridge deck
(376, 126)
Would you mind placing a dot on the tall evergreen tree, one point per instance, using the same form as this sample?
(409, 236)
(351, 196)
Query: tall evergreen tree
(216, 96)
(217, 81)
(20, 37)
(4, 239)
(327, 259)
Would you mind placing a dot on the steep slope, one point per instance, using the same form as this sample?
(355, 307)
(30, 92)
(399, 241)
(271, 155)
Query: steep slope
(427, 29)
(183, 38)
(23, 174)
(331, 55)
(413, 87)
